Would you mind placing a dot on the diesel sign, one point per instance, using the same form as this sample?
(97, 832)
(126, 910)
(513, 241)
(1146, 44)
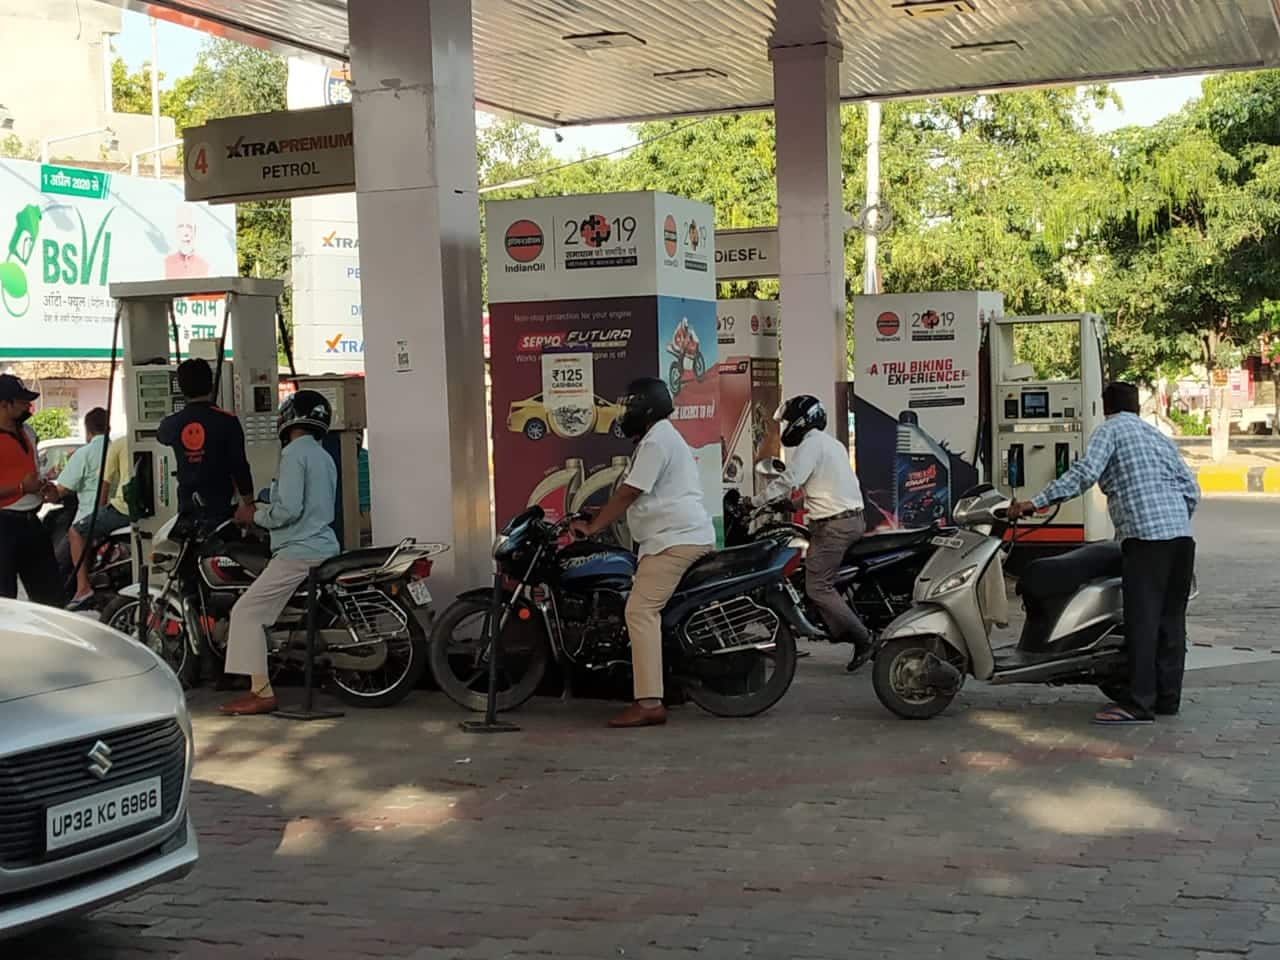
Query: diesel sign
(749, 254)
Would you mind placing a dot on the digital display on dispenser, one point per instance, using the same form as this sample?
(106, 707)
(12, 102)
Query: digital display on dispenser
(1035, 404)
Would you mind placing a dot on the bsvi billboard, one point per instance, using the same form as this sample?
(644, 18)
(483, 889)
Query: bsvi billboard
(68, 233)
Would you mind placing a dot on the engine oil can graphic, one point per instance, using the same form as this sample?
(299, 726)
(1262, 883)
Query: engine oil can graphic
(556, 493)
(596, 491)
(922, 487)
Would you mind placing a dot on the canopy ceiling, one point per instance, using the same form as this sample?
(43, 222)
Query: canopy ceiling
(561, 62)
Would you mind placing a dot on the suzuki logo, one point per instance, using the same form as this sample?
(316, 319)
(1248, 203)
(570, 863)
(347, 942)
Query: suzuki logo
(100, 760)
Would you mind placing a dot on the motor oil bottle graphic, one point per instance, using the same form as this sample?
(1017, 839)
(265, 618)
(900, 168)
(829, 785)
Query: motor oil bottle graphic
(556, 493)
(922, 484)
(597, 490)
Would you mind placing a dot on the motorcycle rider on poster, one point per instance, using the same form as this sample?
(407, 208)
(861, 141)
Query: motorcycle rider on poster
(684, 341)
(300, 518)
(819, 465)
(661, 496)
(1151, 496)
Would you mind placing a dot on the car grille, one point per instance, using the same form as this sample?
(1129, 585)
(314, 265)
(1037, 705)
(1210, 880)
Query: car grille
(31, 782)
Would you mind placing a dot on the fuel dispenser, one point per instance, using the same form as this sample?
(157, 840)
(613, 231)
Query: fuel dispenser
(1042, 426)
(245, 382)
(345, 394)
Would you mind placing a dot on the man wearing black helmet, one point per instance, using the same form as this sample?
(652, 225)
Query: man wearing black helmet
(662, 499)
(300, 519)
(819, 465)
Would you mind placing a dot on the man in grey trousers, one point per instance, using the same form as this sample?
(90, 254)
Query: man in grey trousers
(819, 465)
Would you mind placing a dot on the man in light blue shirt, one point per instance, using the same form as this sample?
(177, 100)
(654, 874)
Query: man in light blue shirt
(1151, 496)
(300, 520)
(81, 477)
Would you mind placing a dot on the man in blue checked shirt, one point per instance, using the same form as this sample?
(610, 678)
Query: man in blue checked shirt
(1151, 496)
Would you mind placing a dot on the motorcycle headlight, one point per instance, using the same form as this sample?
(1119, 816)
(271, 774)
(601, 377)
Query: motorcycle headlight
(499, 542)
(954, 582)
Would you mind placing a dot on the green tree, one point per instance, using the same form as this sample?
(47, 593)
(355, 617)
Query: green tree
(230, 79)
(52, 423)
(1195, 242)
(131, 92)
(14, 147)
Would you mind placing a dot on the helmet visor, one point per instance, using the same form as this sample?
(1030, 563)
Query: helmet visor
(780, 416)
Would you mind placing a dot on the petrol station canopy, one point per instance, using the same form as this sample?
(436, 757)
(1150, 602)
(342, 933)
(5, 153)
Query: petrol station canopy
(564, 62)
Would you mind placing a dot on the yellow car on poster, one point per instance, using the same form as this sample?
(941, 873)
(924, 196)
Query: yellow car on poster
(530, 418)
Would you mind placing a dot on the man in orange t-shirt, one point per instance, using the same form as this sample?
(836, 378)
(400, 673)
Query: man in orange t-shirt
(25, 548)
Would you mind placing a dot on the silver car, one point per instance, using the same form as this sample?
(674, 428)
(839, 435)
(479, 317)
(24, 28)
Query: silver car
(95, 767)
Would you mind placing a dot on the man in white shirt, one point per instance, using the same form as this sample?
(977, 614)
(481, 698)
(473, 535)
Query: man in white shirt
(662, 499)
(819, 465)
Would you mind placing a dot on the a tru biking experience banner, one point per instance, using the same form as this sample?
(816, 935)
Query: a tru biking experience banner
(65, 234)
(586, 294)
(916, 402)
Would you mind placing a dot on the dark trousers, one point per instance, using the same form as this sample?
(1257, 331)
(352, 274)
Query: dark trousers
(27, 552)
(828, 541)
(1157, 583)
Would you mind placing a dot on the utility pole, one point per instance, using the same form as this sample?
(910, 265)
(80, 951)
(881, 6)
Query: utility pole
(155, 98)
(870, 277)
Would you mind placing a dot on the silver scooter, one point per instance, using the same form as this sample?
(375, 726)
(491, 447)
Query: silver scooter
(1074, 631)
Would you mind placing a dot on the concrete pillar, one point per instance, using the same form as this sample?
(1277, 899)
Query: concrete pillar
(414, 128)
(806, 89)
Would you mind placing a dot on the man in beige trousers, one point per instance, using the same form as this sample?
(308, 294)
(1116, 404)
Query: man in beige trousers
(662, 498)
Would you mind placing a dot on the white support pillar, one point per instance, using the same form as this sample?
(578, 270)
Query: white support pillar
(413, 96)
(806, 89)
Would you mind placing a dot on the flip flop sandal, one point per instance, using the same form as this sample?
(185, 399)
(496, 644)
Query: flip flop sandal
(1120, 717)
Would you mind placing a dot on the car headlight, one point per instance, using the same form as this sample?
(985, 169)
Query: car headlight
(954, 582)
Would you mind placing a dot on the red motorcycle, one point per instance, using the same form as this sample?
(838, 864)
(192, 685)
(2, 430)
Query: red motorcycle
(686, 357)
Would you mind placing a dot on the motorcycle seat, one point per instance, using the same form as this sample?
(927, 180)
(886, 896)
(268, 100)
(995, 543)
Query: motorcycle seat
(885, 542)
(353, 560)
(1053, 577)
(251, 555)
(721, 564)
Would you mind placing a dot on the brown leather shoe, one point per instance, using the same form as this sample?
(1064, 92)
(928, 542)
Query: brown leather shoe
(638, 715)
(247, 706)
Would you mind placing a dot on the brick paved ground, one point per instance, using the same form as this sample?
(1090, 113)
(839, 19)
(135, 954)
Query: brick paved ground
(1007, 828)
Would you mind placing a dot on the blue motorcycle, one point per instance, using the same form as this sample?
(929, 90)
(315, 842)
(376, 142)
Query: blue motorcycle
(728, 631)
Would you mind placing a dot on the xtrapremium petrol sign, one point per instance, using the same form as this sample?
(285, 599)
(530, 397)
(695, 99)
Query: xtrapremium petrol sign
(287, 153)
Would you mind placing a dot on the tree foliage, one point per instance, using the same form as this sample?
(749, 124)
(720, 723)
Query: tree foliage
(51, 423)
(1172, 231)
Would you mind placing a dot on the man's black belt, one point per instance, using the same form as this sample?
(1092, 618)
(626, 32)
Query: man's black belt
(846, 515)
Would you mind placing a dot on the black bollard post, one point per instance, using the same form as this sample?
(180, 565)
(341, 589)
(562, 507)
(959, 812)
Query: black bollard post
(308, 711)
(144, 602)
(493, 634)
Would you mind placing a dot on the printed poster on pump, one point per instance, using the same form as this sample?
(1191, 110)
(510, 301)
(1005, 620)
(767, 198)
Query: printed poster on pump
(917, 407)
(587, 293)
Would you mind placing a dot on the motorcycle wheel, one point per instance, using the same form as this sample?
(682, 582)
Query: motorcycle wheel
(461, 669)
(122, 614)
(740, 684)
(899, 682)
(675, 377)
(699, 366)
(393, 681)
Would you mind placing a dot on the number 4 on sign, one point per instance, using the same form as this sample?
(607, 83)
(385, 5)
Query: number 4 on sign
(198, 164)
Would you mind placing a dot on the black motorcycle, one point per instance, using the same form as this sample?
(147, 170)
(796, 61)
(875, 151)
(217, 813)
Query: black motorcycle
(876, 577)
(728, 631)
(110, 560)
(374, 614)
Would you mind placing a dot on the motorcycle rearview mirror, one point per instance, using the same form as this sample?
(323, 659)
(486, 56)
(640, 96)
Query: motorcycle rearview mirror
(770, 468)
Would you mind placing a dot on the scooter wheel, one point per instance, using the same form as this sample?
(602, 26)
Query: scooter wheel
(901, 677)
